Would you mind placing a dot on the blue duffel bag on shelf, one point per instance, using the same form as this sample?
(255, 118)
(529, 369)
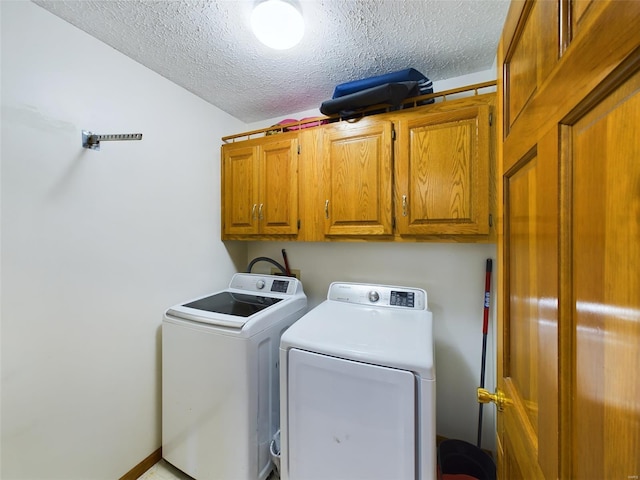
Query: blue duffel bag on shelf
(425, 85)
(388, 93)
(389, 88)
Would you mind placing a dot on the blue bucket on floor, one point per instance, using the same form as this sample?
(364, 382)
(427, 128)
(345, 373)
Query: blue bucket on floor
(457, 457)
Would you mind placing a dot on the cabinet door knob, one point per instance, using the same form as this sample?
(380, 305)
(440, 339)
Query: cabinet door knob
(253, 211)
(326, 209)
(260, 216)
(404, 205)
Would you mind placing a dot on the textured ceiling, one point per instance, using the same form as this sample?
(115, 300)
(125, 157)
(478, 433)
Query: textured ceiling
(207, 47)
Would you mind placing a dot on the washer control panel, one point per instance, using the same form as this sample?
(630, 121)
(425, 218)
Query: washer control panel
(403, 299)
(251, 282)
(378, 295)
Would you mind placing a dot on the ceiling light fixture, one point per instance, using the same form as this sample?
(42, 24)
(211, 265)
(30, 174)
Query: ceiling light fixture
(277, 23)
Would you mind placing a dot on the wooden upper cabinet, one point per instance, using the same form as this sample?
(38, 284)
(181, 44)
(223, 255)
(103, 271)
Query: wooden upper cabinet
(443, 173)
(410, 174)
(357, 161)
(260, 187)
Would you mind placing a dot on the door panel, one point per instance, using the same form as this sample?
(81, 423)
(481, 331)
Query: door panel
(606, 276)
(579, 9)
(531, 56)
(531, 244)
(522, 67)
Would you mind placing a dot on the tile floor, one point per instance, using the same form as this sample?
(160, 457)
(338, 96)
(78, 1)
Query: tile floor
(165, 471)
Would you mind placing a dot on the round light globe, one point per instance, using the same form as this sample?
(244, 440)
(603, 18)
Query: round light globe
(277, 24)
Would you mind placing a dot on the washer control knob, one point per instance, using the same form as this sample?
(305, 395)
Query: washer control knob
(374, 296)
(260, 284)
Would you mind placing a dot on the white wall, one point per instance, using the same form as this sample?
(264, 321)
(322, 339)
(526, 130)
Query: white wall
(95, 245)
(453, 276)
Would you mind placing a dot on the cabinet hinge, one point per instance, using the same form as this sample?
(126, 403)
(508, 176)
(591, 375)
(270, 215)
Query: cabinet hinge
(490, 220)
(298, 224)
(298, 149)
(490, 119)
(393, 134)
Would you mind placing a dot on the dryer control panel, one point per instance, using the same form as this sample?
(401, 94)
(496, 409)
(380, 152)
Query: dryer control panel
(378, 295)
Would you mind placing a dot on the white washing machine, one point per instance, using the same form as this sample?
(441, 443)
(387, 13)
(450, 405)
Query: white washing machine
(220, 392)
(357, 384)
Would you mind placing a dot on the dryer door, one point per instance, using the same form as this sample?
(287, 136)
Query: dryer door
(349, 420)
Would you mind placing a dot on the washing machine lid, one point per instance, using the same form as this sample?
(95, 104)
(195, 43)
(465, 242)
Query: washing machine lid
(231, 303)
(392, 337)
(249, 297)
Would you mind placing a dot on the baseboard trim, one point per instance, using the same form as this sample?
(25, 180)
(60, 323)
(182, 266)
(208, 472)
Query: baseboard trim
(143, 466)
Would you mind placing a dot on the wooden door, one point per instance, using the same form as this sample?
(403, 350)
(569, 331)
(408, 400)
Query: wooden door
(278, 205)
(358, 195)
(239, 190)
(443, 173)
(569, 241)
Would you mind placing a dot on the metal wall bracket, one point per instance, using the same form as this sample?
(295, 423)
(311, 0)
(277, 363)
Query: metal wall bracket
(92, 140)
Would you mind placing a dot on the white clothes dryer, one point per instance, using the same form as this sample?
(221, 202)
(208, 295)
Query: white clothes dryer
(220, 392)
(357, 384)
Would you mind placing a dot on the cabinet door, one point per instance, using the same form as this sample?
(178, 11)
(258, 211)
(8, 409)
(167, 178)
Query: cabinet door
(443, 173)
(357, 161)
(240, 190)
(278, 205)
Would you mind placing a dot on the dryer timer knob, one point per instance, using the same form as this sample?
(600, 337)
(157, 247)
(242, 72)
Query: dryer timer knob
(260, 284)
(374, 296)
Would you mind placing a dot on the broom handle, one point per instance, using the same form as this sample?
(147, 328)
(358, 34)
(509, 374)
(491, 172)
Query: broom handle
(485, 329)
